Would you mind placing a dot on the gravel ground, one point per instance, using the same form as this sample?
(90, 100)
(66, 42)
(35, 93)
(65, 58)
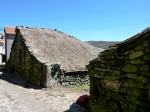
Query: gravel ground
(18, 96)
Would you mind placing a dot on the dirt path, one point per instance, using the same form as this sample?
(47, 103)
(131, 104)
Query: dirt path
(18, 96)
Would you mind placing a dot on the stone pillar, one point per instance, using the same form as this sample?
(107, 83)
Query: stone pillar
(51, 74)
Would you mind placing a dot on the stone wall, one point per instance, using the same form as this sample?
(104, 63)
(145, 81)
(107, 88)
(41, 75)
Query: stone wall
(24, 64)
(76, 78)
(120, 78)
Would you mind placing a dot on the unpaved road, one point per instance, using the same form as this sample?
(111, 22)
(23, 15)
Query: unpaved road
(18, 96)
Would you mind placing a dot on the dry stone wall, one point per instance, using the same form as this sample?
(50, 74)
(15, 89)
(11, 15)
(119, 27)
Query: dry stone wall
(23, 64)
(120, 79)
(76, 78)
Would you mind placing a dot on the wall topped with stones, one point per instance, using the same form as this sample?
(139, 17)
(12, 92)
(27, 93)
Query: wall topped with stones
(120, 77)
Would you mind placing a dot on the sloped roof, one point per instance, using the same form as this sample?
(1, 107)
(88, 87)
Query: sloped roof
(133, 39)
(9, 30)
(56, 47)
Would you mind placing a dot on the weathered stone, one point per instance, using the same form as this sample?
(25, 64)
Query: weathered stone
(149, 39)
(145, 43)
(98, 108)
(112, 85)
(113, 62)
(115, 72)
(132, 75)
(129, 83)
(129, 68)
(146, 57)
(113, 105)
(145, 68)
(139, 47)
(142, 79)
(101, 100)
(113, 77)
(137, 61)
(147, 73)
(129, 52)
(136, 54)
(133, 91)
(122, 80)
(133, 106)
(147, 49)
(107, 53)
(140, 85)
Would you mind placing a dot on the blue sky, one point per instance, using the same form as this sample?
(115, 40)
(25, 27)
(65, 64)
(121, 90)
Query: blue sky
(108, 20)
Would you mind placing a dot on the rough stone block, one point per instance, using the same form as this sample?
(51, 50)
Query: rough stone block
(145, 43)
(146, 57)
(111, 85)
(143, 79)
(147, 73)
(129, 68)
(136, 54)
(147, 49)
(132, 75)
(130, 51)
(101, 100)
(129, 83)
(137, 61)
(133, 91)
(145, 68)
(139, 47)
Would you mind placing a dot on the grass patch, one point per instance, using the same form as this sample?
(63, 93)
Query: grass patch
(81, 86)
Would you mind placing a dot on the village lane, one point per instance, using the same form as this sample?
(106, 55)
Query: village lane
(18, 96)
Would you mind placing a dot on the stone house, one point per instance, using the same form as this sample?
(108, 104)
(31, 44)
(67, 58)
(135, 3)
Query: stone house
(2, 50)
(9, 38)
(45, 57)
(120, 76)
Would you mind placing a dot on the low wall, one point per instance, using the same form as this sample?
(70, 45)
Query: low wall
(76, 78)
(120, 79)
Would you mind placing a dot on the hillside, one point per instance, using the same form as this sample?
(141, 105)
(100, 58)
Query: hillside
(102, 44)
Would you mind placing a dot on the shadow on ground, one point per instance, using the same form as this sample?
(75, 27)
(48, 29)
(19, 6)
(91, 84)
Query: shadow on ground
(11, 78)
(77, 108)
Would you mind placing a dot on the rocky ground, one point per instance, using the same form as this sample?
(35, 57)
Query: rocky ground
(18, 96)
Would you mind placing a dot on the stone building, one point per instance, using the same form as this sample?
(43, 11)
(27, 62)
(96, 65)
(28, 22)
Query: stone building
(120, 76)
(45, 57)
(9, 38)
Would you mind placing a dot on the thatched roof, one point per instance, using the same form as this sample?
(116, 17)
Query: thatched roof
(133, 40)
(55, 47)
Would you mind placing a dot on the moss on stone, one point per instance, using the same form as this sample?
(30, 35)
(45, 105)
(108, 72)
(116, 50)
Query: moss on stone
(116, 72)
(145, 68)
(145, 43)
(129, 51)
(129, 68)
(111, 85)
(139, 47)
(147, 49)
(146, 57)
(133, 91)
(143, 79)
(136, 54)
(101, 100)
(129, 83)
(137, 61)
(132, 75)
